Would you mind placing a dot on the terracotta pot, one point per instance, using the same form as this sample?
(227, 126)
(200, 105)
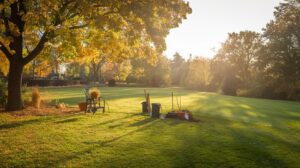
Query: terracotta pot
(82, 106)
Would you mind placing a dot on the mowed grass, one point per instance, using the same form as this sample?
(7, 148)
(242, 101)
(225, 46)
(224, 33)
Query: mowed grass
(232, 132)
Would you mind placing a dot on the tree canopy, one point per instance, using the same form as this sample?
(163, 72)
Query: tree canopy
(36, 24)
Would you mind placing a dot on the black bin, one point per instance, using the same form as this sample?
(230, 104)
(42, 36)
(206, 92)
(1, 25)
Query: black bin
(144, 107)
(156, 110)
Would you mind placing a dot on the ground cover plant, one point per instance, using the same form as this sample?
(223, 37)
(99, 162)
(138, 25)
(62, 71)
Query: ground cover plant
(232, 132)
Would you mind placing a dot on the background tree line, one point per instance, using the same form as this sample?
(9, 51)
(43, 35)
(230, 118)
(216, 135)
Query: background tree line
(251, 64)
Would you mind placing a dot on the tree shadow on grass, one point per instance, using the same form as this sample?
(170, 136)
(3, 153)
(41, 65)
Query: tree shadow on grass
(248, 110)
(113, 120)
(23, 123)
(143, 122)
(100, 144)
(67, 120)
(39, 120)
(256, 145)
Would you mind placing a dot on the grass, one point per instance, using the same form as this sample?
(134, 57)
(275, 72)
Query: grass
(233, 132)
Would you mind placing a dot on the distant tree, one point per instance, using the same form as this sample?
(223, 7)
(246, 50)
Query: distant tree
(178, 69)
(73, 70)
(241, 51)
(280, 61)
(199, 74)
(151, 72)
(123, 70)
(235, 65)
(158, 74)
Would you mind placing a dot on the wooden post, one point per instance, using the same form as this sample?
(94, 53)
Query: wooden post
(172, 102)
(148, 103)
(145, 94)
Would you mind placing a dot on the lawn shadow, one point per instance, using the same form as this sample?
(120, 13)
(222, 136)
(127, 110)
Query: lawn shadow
(142, 122)
(67, 120)
(114, 120)
(23, 123)
(101, 144)
(255, 145)
(247, 110)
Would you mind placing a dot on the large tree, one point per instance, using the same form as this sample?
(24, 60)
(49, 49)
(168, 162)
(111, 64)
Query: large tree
(38, 22)
(281, 60)
(240, 51)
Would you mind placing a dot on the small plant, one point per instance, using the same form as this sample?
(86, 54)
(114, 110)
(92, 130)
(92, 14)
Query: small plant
(95, 93)
(61, 106)
(36, 98)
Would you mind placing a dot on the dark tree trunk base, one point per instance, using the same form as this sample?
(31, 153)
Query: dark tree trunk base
(14, 100)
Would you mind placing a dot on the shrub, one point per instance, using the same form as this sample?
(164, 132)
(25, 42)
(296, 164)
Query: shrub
(61, 106)
(36, 98)
(3, 94)
(230, 85)
(112, 83)
(95, 93)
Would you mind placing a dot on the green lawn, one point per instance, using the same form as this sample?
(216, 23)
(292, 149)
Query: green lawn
(233, 132)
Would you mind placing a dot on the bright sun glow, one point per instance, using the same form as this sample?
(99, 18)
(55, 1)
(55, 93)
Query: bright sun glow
(212, 20)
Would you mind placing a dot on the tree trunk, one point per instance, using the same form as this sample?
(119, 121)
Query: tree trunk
(14, 100)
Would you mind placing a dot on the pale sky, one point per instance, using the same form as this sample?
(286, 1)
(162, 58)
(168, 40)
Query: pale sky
(212, 20)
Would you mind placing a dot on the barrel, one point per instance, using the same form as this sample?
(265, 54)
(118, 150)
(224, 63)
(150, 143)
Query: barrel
(156, 110)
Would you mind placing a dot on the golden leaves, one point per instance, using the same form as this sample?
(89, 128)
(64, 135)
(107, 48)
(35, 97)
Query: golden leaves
(4, 65)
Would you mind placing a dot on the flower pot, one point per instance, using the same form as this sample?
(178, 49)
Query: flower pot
(82, 106)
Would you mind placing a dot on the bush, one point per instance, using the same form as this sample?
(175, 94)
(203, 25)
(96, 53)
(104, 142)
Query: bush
(295, 94)
(112, 83)
(252, 92)
(3, 94)
(230, 85)
(94, 93)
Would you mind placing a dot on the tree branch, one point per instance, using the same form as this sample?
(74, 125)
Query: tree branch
(85, 25)
(5, 51)
(39, 47)
(5, 20)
